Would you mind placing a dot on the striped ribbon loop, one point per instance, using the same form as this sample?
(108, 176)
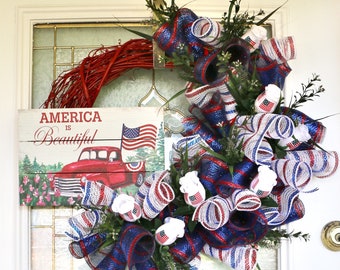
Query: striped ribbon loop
(215, 115)
(187, 248)
(245, 200)
(158, 197)
(213, 213)
(205, 68)
(239, 258)
(240, 179)
(87, 245)
(194, 146)
(254, 130)
(290, 208)
(193, 126)
(323, 164)
(172, 35)
(280, 50)
(82, 224)
(212, 169)
(137, 244)
(269, 71)
(202, 95)
(243, 228)
(134, 247)
(143, 190)
(292, 173)
(97, 194)
(315, 128)
(208, 31)
(107, 258)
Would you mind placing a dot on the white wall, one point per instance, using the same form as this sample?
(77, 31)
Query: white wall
(315, 27)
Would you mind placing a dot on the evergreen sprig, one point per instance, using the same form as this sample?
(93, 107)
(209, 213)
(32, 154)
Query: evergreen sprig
(244, 87)
(309, 92)
(234, 24)
(162, 11)
(274, 237)
(176, 172)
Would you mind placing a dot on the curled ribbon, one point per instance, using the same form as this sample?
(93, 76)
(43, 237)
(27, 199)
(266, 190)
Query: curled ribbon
(322, 163)
(242, 228)
(96, 193)
(254, 130)
(292, 173)
(270, 71)
(193, 145)
(83, 224)
(158, 197)
(134, 247)
(171, 36)
(207, 30)
(202, 95)
(212, 213)
(290, 208)
(245, 200)
(315, 128)
(239, 258)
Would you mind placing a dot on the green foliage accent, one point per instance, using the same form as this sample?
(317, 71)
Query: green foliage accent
(274, 237)
(309, 92)
(176, 172)
(162, 11)
(280, 151)
(164, 260)
(183, 60)
(244, 87)
(268, 202)
(234, 24)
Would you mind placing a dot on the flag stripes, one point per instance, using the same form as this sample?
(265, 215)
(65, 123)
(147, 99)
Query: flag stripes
(142, 136)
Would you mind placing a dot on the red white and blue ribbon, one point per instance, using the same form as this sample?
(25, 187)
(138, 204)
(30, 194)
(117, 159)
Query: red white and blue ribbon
(239, 258)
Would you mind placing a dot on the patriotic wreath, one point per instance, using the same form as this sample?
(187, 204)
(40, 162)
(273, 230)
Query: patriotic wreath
(237, 172)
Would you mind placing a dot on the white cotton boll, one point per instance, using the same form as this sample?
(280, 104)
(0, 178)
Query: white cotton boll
(172, 229)
(192, 188)
(264, 182)
(301, 133)
(268, 100)
(254, 36)
(189, 183)
(123, 203)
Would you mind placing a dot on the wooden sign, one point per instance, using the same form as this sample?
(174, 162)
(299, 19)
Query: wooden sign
(59, 149)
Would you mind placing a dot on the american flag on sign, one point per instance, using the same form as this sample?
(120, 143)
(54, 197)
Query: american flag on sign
(142, 136)
(266, 105)
(161, 237)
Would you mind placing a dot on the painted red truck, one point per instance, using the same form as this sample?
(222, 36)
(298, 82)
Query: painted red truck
(99, 163)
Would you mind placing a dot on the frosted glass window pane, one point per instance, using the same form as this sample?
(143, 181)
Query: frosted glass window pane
(42, 249)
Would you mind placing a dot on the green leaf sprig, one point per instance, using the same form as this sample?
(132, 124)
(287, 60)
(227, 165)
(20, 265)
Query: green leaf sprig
(231, 152)
(244, 87)
(274, 237)
(309, 92)
(162, 11)
(234, 24)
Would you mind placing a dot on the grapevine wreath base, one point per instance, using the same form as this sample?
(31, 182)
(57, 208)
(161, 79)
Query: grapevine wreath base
(237, 172)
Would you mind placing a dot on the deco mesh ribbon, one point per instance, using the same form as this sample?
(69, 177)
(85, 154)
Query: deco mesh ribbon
(231, 220)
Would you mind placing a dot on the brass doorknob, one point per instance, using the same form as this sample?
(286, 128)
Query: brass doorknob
(330, 235)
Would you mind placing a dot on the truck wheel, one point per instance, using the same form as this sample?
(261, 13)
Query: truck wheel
(140, 180)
